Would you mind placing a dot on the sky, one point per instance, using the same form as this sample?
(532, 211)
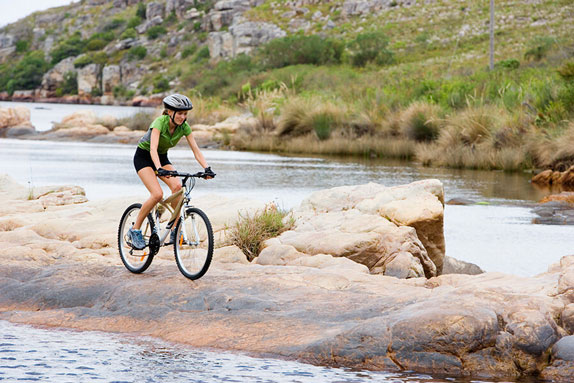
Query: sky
(11, 11)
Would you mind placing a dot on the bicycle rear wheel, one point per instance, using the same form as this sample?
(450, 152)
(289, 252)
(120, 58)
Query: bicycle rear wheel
(193, 247)
(136, 261)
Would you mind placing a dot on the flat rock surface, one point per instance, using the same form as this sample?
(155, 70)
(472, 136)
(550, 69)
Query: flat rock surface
(60, 267)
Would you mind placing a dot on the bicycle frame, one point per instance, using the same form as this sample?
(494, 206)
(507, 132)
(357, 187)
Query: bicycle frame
(176, 213)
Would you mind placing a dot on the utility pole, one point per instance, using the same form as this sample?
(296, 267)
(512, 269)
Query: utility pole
(491, 34)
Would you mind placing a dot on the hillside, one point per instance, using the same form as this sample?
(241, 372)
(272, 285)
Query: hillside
(381, 67)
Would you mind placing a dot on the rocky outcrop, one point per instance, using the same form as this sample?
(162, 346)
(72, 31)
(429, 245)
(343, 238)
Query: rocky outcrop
(366, 7)
(89, 79)
(386, 229)
(60, 268)
(55, 77)
(242, 35)
(15, 122)
(557, 178)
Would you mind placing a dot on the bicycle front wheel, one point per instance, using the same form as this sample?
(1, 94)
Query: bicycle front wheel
(136, 261)
(193, 247)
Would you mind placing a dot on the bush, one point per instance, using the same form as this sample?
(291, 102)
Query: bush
(70, 84)
(139, 121)
(73, 46)
(22, 46)
(114, 24)
(91, 58)
(420, 122)
(508, 64)
(188, 51)
(134, 22)
(141, 10)
(249, 232)
(539, 48)
(95, 45)
(28, 72)
(156, 31)
(129, 33)
(160, 84)
(370, 47)
(566, 71)
(294, 50)
(137, 53)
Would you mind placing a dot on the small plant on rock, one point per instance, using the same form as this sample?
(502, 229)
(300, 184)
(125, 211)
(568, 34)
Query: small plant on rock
(249, 232)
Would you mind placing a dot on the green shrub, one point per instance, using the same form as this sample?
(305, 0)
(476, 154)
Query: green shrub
(22, 46)
(134, 22)
(137, 53)
(322, 124)
(96, 92)
(95, 45)
(188, 51)
(249, 232)
(202, 54)
(100, 58)
(419, 122)
(370, 47)
(113, 24)
(156, 31)
(539, 48)
(566, 71)
(70, 84)
(141, 10)
(73, 46)
(129, 33)
(508, 64)
(294, 50)
(28, 72)
(160, 84)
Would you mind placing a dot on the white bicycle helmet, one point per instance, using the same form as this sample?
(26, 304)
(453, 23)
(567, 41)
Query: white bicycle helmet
(177, 102)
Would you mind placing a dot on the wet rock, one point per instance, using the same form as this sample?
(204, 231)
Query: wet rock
(455, 266)
(562, 367)
(460, 201)
(555, 212)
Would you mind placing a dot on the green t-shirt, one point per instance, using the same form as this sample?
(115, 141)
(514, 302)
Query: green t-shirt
(166, 140)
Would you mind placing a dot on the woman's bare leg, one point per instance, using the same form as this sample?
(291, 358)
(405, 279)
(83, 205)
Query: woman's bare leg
(149, 179)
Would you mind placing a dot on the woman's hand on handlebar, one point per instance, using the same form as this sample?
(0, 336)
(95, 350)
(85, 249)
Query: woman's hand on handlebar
(209, 174)
(161, 172)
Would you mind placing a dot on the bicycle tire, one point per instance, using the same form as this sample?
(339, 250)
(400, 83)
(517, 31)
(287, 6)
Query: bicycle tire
(136, 261)
(194, 250)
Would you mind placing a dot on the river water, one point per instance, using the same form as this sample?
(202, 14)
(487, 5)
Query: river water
(29, 354)
(497, 234)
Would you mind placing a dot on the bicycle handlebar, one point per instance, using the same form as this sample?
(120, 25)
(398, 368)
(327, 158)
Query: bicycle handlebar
(171, 173)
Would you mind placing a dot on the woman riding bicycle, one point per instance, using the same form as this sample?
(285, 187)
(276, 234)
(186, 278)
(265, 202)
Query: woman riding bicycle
(151, 162)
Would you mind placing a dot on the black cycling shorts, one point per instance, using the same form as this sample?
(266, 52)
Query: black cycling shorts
(142, 159)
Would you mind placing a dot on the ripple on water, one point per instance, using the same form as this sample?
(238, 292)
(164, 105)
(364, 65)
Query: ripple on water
(34, 354)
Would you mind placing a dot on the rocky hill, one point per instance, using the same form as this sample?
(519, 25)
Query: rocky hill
(108, 51)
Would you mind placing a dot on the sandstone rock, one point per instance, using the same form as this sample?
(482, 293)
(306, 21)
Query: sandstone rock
(12, 117)
(55, 77)
(229, 254)
(78, 119)
(455, 266)
(89, 79)
(111, 78)
(418, 205)
(568, 318)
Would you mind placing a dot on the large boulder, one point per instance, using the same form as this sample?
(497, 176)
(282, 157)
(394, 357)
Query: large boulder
(111, 78)
(242, 37)
(14, 120)
(419, 205)
(393, 231)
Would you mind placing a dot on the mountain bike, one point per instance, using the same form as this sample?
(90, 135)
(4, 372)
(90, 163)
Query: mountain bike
(193, 245)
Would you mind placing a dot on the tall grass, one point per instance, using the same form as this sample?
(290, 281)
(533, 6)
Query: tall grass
(249, 232)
